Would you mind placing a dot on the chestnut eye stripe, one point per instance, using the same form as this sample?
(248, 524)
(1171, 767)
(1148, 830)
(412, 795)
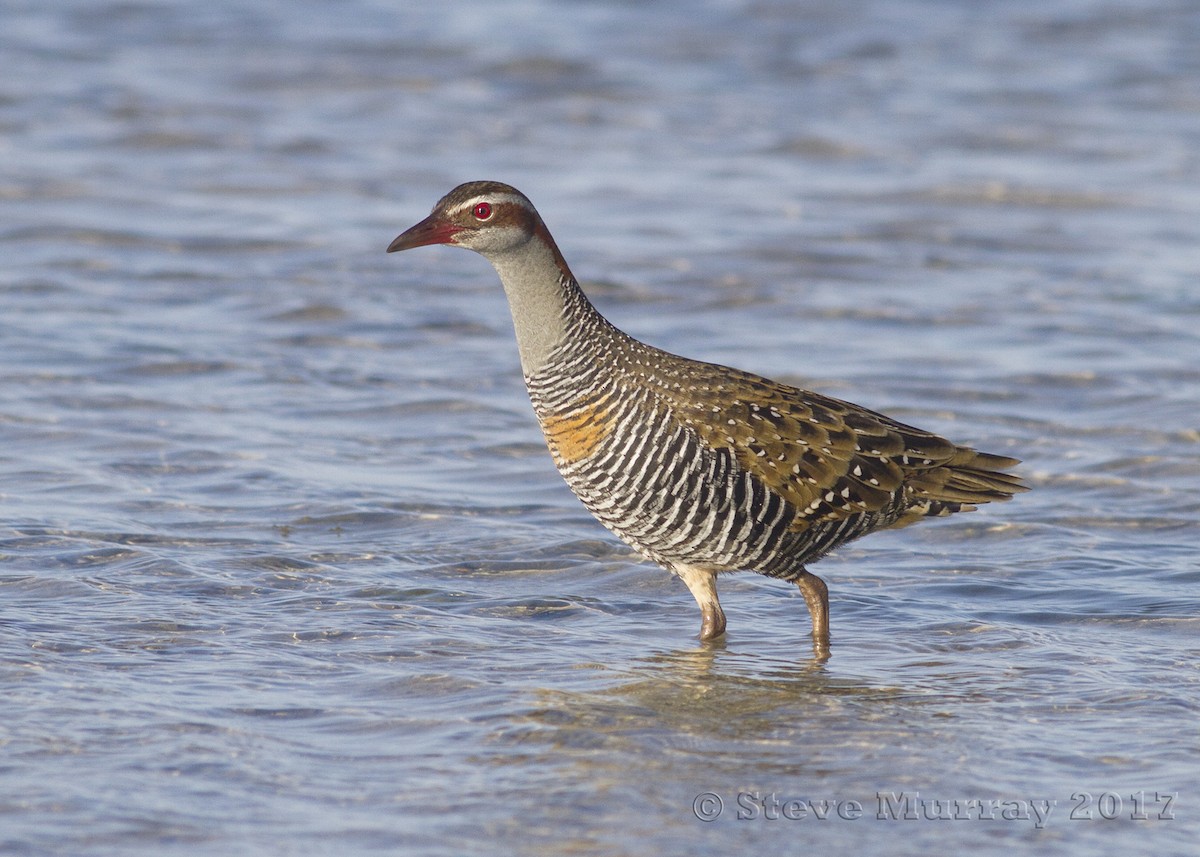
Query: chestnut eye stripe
(488, 207)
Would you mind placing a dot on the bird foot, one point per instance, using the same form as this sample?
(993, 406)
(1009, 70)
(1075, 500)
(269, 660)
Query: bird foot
(816, 596)
(702, 583)
(712, 622)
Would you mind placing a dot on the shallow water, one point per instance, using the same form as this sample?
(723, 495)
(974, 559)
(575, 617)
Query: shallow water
(285, 567)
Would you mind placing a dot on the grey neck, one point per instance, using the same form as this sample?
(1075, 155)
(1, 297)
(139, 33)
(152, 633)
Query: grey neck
(538, 291)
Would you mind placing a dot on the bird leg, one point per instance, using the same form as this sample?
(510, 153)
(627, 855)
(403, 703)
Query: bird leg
(702, 583)
(816, 596)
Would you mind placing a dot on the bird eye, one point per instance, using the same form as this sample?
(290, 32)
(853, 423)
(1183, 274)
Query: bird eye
(482, 211)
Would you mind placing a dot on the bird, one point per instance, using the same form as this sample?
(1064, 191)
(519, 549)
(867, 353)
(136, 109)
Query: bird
(701, 468)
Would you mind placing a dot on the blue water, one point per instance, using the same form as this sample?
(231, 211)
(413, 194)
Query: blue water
(285, 567)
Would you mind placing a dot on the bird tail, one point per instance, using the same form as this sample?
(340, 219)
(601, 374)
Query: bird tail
(968, 479)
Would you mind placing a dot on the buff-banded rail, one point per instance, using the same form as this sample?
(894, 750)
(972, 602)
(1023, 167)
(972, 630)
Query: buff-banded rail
(701, 468)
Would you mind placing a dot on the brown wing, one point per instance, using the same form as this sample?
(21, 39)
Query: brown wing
(831, 459)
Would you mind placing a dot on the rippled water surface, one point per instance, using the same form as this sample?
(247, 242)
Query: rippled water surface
(285, 567)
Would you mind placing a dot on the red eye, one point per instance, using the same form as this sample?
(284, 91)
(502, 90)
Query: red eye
(482, 211)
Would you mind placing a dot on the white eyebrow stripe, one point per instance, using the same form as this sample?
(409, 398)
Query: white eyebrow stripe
(493, 198)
